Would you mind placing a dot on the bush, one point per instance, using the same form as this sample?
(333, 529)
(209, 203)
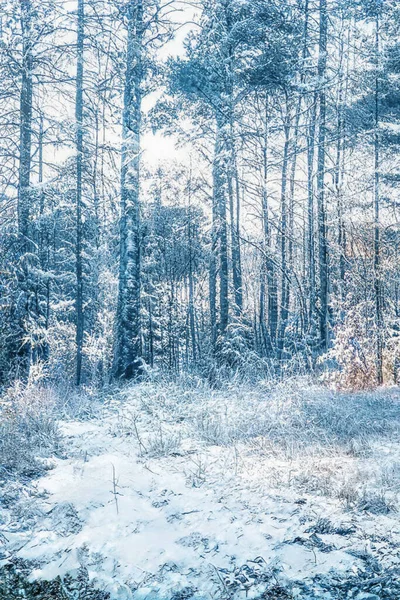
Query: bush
(28, 430)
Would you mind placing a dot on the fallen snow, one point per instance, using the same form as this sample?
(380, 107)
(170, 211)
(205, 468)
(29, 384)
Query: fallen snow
(150, 524)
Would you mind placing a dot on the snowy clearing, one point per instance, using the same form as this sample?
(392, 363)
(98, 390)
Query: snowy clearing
(171, 492)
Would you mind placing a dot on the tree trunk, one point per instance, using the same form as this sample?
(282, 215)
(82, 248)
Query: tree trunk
(377, 244)
(310, 216)
(128, 347)
(268, 276)
(220, 235)
(26, 247)
(220, 191)
(284, 308)
(44, 249)
(339, 173)
(322, 237)
(79, 317)
(213, 264)
(234, 208)
(192, 319)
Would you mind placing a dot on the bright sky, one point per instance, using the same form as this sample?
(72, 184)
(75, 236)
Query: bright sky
(157, 147)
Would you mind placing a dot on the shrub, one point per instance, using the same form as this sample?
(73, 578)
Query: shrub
(28, 430)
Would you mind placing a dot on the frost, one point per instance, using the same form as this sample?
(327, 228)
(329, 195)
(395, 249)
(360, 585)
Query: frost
(229, 520)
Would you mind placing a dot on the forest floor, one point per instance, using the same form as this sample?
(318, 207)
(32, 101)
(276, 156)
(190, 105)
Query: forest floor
(180, 492)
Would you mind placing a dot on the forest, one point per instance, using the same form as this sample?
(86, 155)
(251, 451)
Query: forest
(199, 186)
(199, 298)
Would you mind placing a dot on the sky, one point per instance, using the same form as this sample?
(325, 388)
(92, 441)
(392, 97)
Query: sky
(157, 147)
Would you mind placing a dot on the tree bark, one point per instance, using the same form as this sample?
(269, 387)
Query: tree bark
(321, 208)
(310, 216)
(234, 209)
(79, 317)
(220, 191)
(377, 242)
(191, 283)
(268, 289)
(128, 346)
(218, 272)
(284, 307)
(213, 262)
(26, 247)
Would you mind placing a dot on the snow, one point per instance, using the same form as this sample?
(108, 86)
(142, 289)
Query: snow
(152, 525)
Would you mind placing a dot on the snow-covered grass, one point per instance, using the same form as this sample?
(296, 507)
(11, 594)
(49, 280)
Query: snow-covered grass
(28, 430)
(176, 491)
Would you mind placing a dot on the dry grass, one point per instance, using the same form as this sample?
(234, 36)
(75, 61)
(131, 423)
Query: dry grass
(344, 446)
(28, 430)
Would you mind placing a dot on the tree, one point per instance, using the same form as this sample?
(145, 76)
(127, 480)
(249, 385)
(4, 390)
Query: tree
(321, 209)
(79, 159)
(128, 345)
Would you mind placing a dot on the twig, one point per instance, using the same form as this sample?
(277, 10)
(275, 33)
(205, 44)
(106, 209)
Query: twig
(114, 490)
(220, 578)
(142, 447)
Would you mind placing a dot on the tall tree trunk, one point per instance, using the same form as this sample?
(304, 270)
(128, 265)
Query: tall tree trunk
(284, 308)
(265, 333)
(310, 216)
(43, 249)
(79, 317)
(234, 209)
(377, 243)
(212, 281)
(268, 289)
(128, 347)
(219, 192)
(294, 150)
(321, 208)
(192, 316)
(339, 170)
(238, 252)
(151, 332)
(232, 178)
(26, 94)
(26, 246)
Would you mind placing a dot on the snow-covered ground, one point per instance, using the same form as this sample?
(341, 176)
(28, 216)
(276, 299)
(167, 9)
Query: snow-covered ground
(173, 492)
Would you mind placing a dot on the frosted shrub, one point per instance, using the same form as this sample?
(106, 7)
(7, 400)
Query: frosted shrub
(236, 360)
(62, 355)
(28, 429)
(354, 349)
(98, 347)
(163, 443)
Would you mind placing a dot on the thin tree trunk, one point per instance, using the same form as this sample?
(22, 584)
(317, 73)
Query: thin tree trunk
(321, 208)
(339, 173)
(234, 199)
(268, 277)
(79, 317)
(284, 308)
(222, 234)
(151, 332)
(44, 248)
(24, 172)
(294, 148)
(213, 265)
(219, 237)
(192, 316)
(377, 244)
(233, 189)
(310, 215)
